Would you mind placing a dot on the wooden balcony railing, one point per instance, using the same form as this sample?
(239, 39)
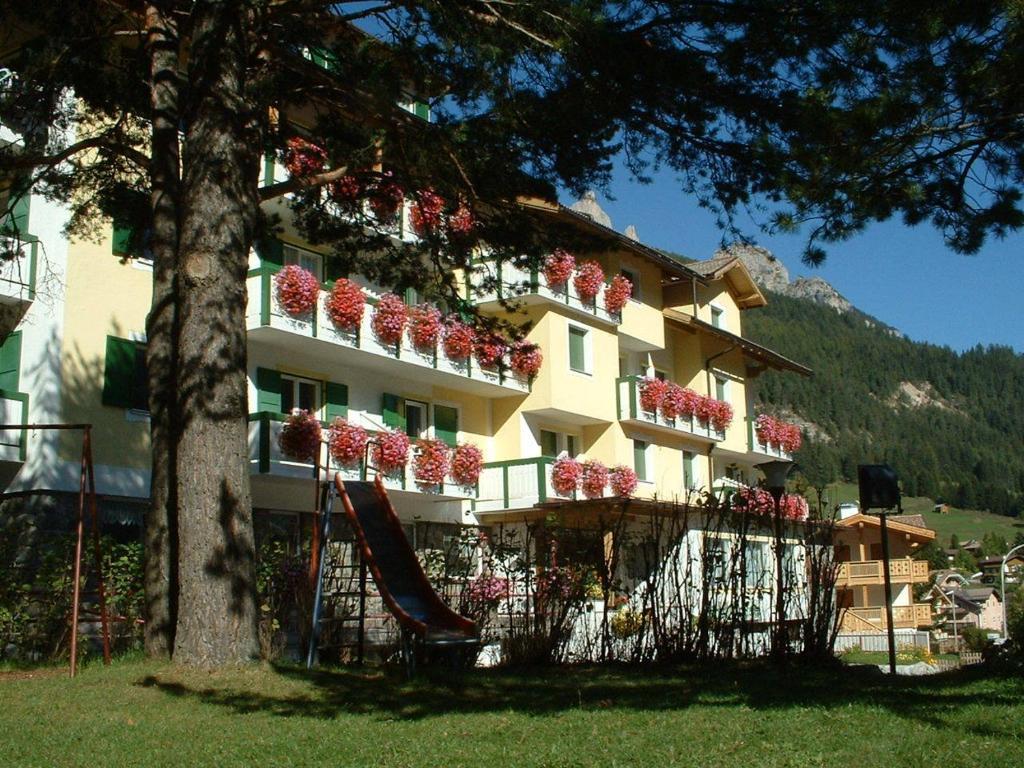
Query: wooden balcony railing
(873, 617)
(869, 572)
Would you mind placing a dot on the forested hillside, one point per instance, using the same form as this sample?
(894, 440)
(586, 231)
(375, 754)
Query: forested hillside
(951, 424)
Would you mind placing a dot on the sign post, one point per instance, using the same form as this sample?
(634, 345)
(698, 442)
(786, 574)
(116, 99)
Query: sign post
(880, 489)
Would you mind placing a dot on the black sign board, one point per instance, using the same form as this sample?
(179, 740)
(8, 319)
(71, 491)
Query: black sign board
(879, 487)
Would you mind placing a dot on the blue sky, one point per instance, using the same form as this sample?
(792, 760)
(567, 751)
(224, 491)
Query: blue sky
(904, 276)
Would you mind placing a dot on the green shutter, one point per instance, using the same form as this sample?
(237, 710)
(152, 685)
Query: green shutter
(446, 423)
(392, 411)
(548, 443)
(337, 401)
(19, 213)
(577, 355)
(640, 459)
(268, 386)
(119, 373)
(121, 241)
(271, 251)
(422, 110)
(10, 362)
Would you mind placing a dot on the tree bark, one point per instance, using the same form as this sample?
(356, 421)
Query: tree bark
(161, 530)
(216, 622)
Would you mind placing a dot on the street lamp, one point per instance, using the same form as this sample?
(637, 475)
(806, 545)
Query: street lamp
(1002, 587)
(775, 473)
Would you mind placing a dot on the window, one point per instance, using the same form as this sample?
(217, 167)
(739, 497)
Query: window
(717, 316)
(757, 564)
(579, 354)
(297, 392)
(416, 422)
(721, 389)
(642, 460)
(125, 382)
(691, 471)
(305, 259)
(446, 424)
(634, 279)
(660, 375)
(553, 443)
(716, 558)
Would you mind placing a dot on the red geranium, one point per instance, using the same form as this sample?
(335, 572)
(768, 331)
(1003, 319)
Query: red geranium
(461, 222)
(346, 190)
(652, 392)
(467, 464)
(558, 268)
(425, 213)
(386, 198)
(721, 415)
(345, 304)
(389, 318)
(766, 429)
(304, 158)
(431, 462)
(347, 442)
(424, 326)
(589, 279)
(674, 400)
(391, 451)
(565, 475)
(300, 436)
(489, 350)
(791, 439)
(623, 480)
(297, 290)
(617, 294)
(594, 478)
(458, 339)
(705, 408)
(526, 358)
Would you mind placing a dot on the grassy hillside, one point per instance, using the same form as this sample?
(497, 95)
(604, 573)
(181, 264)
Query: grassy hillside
(950, 424)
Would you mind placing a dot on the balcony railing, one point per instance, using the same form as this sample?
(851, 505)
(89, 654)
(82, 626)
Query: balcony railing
(516, 283)
(628, 399)
(13, 410)
(768, 449)
(873, 617)
(516, 484)
(18, 269)
(869, 572)
(266, 458)
(264, 314)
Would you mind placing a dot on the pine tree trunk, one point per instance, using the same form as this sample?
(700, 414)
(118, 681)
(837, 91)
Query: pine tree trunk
(216, 607)
(161, 532)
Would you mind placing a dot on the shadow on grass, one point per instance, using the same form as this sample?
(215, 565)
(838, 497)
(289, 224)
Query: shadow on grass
(328, 693)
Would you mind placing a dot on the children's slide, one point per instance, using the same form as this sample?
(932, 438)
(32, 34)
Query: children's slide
(397, 571)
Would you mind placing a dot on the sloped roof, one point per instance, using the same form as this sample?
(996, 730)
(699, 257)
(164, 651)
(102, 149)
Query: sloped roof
(917, 520)
(893, 524)
(736, 275)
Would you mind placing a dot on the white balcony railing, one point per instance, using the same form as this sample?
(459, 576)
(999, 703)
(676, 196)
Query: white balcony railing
(628, 398)
(517, 484)
(264, 313)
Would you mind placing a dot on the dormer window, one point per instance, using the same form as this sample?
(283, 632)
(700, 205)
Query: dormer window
(717, 317)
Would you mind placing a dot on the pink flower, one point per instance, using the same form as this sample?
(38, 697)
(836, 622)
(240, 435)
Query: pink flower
(617, 294)
(526, 358)
(558, 268)
(594, 479)
(674, 401)
(461, 222)
(389, 318)
(467, 464)
(487, 589)
(431, 462)
(346, 190)
(347, 442)
(458, 339)
(565, 475)
(297, 290)
(300, 436)
(792, 439)
(386, 198)
(345, 304)
(425, 326)
(489, 350)
(304, 158)
(652, 392)
(705, 409)
(391, 452)
(721, 415)
(589, 279)
(623, 480)
(425, 213)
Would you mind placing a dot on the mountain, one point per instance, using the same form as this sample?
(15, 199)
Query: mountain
(950, 423)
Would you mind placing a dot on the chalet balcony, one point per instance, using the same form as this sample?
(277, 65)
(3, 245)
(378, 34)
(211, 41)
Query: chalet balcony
(512, 283)
(516, 484)
(872, 572)
(627, 395)
(18, 269)
(873, 619)
(268, 323)
(267, 460)
(755, 445)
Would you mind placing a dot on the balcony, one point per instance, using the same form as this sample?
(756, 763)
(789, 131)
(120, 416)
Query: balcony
(268, 323)
(766, 449)
(18, 273)
(873, 619)
(628, 400)
(872, 572)
(266, 459)
(517, 484)
(512, 283)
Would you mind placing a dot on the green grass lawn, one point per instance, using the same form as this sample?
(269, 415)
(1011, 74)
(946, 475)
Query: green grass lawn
(141, 713)
(965, 523)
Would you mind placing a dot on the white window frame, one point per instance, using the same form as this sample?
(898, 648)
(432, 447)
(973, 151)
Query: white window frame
(561, 442)
(634, 277)
(696, 476)
(718, 311)
(296, 379)
(293, 254)
(427, 427)
(722, 383)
